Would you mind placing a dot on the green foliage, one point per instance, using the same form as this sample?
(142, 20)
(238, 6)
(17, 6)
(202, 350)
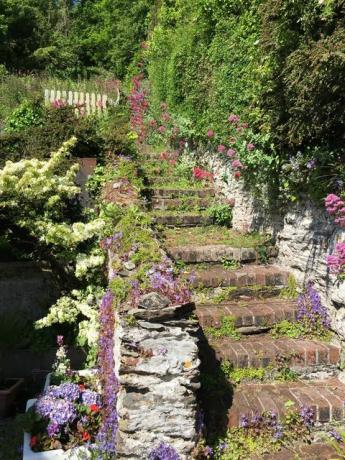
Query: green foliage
(221, 214)
(25, 116)
(227, 329)
(238, 375)
(231, 264)
(290, 292)
(298, 329)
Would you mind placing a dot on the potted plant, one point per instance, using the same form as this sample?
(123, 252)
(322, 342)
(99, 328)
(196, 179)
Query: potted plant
(8, 392)
(63, 422)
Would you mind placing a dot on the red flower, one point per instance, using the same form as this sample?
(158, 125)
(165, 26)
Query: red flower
(94, 408)
(81, 387)
(86, 436)
(237, 175)
(33, 441)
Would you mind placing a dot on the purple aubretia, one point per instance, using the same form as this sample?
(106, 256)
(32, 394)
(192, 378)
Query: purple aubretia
(163, 452)
(311, 313)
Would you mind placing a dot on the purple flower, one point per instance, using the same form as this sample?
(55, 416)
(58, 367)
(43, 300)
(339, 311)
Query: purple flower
(59, 340)
(53, 429)
(307, 415)
(208, 451)
(89, 397)
(163, 452)
(311, 164)
(67, 391)
(335, 435)
(244, 422)
(310, 308)
(58, 411)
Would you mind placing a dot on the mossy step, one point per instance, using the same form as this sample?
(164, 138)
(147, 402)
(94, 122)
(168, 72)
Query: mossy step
(212, 253)
(248, 314)
(262, 351)
(326, 397)
(174, 219)
(218, 276)
(179, 192)
(179, 203)
(215, 234)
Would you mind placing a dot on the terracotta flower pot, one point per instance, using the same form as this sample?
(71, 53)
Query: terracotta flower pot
(8, 394)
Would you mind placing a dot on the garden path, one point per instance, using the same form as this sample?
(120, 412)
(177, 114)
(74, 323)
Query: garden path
(238, 304)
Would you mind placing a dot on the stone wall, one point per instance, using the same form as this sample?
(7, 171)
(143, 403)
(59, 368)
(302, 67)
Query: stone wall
(304, 235)
(157, 367)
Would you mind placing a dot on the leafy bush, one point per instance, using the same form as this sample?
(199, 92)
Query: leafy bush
(26, 115)
(221, 214)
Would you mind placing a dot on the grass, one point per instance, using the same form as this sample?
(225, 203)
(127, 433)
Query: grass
(211, 235)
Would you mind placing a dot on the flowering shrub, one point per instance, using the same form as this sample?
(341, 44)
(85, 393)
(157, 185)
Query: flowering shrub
(139, 105)
(201, 174)
(336, 261)
(335, 206)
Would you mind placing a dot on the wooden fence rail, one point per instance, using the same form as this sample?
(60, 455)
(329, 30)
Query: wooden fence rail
(85, 103)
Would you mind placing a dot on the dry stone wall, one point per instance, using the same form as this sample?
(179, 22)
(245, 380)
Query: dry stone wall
(304, 234)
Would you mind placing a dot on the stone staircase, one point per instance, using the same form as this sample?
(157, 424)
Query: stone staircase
(253, 305)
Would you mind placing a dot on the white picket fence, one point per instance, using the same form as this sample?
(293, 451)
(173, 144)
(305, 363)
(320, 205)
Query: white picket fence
(85, 103)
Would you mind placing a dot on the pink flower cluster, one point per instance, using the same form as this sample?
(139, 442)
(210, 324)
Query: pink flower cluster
(237, 127)
(201, 174)
(138, 106)
(336, 261)
(335, 206)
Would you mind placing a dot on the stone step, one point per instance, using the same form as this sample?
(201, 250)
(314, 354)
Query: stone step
(177, 193)
(303, 451)
(212, 253)
(250, 275)
(252, 314)
(325, 397)
(258, 351)
(182, 219)
(175, 203)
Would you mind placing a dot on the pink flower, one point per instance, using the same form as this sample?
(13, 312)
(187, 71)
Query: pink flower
(153, 123)
(221, 148)
(162, 129)
(166, 116)
(210, 133)
(237, 164)
(233, 118)
(245, 125)
(250, 147)
(231, 153)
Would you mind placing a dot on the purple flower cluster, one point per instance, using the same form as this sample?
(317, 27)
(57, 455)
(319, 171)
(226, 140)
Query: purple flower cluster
(68, 391)
(307, 414)
(261, 422)
(58, 411)
(163, 281)
(106, 438)
(335, 435)
(311, 312)
(163, 452)
(111, 241)
(89, 398)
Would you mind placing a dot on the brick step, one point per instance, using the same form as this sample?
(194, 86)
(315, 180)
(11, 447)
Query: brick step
(212, 253)
(182, 219)
(258, 351)
(175, 203)
(177, 193)
(314, 451)
(251, 315)
(250, 275)
(325, 397)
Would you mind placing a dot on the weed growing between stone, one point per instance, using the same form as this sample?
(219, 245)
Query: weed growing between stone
(227, 329)
(263, 433)
(290, 292)
(312, 318)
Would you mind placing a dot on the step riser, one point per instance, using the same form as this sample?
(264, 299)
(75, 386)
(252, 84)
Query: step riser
(235, 279)
(176, 221)
(326, 399)
(169, 194)
(259, 317)
(163, 204)
(213, 254)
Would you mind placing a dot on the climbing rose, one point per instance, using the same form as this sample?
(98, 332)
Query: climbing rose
(250, 147)
(210, 133)
(221, 148)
